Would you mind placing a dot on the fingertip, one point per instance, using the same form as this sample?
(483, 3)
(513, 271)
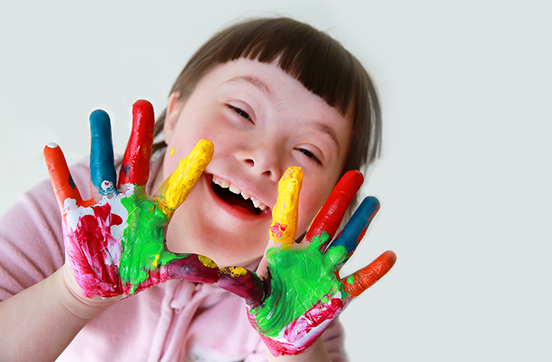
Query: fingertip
(99, 116)
(143, 109)
(50, 151)
(53, 155)
(206, 144)
(353, 178)
(390, 257)
(371, 205)
(142, 103)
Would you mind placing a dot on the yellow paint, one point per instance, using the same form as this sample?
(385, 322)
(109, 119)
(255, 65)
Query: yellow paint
(154, 263)
(237, 271)
(284, 214)
(172, 152)
(209, 263)
(177, 186)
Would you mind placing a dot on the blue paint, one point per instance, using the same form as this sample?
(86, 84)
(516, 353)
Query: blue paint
(71, 182)
(102, 168)
(126, 169)
(359, 221)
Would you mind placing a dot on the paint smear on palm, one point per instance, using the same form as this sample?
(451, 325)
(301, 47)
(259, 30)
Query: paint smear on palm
(143, 245)
(301, 276)
(284, 214)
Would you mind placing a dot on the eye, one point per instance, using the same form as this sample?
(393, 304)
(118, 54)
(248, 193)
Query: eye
(310, 155)
(240, 112)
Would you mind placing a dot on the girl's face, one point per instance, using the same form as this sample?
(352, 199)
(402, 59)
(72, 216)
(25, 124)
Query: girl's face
(261, 121)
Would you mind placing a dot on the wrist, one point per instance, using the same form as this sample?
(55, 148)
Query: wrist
(71, 296)
(315, 353)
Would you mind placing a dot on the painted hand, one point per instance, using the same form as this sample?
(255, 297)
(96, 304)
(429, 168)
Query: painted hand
(299, 291)
(115, 241)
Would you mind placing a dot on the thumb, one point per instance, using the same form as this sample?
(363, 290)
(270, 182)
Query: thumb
(244, 283)
(191, 267)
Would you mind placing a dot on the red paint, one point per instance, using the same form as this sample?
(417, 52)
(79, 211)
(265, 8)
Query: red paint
(136, 162)
(313, 318)
(247, 286)
(305, 330)
(330, 215)
(87, 249)
(277, 230)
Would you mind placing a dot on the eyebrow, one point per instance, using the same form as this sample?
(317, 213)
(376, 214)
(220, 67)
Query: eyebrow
(329, 131)
(254, 81)
(260, 85)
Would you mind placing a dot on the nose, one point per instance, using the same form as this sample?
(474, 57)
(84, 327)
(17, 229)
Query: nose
(264, 160)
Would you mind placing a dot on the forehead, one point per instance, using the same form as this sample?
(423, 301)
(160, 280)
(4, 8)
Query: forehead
(268, 79)
(281, 94)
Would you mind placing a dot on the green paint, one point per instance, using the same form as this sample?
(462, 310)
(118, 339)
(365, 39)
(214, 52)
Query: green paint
(300, 277)
(351, 280)
(143, 239)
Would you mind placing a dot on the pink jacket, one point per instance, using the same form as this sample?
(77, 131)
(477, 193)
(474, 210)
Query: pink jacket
(174, 321)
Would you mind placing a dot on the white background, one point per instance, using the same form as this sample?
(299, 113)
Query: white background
(465, 174)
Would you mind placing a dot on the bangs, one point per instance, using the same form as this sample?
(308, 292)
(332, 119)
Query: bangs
(321, 64)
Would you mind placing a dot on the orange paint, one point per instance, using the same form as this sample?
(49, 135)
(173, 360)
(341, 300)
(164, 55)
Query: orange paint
(62, 182)
(368, 276)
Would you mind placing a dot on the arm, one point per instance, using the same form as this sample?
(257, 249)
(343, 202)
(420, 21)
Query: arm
(105, 260)
(44, 319)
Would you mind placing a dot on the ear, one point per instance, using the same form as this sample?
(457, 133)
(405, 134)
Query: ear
(174, 107)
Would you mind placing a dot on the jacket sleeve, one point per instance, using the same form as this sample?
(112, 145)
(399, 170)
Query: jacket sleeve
(31, 240)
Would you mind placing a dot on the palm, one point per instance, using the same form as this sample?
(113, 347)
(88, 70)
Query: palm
(302, 291)
(115, 241)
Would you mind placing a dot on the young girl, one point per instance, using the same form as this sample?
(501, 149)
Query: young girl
(271, 95)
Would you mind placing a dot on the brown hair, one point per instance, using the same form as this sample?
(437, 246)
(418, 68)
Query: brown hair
(319, 62)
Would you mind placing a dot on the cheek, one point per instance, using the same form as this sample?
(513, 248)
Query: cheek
(180, 145)
(309, 204)
(314, 194)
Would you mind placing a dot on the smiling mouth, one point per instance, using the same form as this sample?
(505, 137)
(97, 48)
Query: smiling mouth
(232, 195)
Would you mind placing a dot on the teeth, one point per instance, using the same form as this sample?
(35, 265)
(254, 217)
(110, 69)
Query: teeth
(256, 202)
(233, 188)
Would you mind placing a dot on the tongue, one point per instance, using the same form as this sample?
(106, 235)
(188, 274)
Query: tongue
(235, 200)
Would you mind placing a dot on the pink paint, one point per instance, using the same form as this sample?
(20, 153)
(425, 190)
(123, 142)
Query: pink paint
(277, 230)
(87, 248)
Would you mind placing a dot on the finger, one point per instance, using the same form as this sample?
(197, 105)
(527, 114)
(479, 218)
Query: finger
(136, 162)
(177, 186)
(102, 168)
(363, 279)
(284, 214)
(243, 283)
(62, 182)
(355, 229)
(326, 223)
